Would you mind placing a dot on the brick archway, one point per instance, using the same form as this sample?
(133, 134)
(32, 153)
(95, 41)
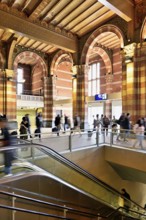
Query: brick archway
(91, 41)
(30, 55)
(58, 58)
(105, 57)
(2, 60)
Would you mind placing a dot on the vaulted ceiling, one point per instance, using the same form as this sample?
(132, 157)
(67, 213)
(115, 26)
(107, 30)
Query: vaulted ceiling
(47, 25)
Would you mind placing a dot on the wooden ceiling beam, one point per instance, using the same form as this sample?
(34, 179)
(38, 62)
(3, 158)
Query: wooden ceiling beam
(123, 9)
(34, 31)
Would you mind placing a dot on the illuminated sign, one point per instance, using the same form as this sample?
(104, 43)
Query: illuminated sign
(101, 97)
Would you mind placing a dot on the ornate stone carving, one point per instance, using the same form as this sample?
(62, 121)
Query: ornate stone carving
(109, 77)
(129, 50)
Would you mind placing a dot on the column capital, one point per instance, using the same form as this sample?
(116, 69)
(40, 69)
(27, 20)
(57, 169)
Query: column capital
(80, 69)
(129, 50)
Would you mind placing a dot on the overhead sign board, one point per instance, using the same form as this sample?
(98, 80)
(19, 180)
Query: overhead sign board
(100, 97)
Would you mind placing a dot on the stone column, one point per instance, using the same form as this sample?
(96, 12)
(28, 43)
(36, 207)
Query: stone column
(74, 89)
(129, 81)
(8, 96)
(81, 86)
(49, 97)
(140, 76)
(48, 101)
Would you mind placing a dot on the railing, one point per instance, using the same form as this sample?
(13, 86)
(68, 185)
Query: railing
(30, 98)
(19, 202)
(86, 138)
(34, 93)
(30, 201)
(41, 155)
(52, 162)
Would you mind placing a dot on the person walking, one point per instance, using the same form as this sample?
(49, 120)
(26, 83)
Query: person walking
(58, 123)
(39, 124)
(28, 124)
(77, 123)
(126, 126)
(106, 123)
(139, 130)
(6, 142)
(121, 122)
(66, 123)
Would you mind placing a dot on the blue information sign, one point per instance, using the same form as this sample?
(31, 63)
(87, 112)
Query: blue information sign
(101, 96)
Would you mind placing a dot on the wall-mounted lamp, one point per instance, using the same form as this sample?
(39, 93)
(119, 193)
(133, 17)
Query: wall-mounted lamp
(10, 79)
(128, 59)
(74, 76)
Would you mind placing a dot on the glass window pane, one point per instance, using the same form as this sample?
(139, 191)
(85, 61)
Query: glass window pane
(94, 71)
(89, 74)
(19, 75)
(94, 87)
(98, 70)
(98, 86)
(19, 88)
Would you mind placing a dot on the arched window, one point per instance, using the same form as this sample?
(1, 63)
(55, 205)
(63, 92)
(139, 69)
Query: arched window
(94, 79)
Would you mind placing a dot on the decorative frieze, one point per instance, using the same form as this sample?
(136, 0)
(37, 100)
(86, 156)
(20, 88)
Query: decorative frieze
(44, 24)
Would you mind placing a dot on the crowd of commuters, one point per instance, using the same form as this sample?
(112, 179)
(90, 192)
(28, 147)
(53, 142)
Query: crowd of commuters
(125, 127)
(64, 123)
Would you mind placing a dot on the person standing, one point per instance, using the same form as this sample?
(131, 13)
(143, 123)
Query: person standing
(39, 123)
(6, 142)
(125, 195)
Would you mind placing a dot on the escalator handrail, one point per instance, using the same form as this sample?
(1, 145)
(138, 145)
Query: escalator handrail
(66, 161)
(84, 172)
(124, 208)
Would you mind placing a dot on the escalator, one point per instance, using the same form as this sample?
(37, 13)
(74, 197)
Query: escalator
(46, 162)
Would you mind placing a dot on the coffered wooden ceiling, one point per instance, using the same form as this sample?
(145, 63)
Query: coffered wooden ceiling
(69, 19)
